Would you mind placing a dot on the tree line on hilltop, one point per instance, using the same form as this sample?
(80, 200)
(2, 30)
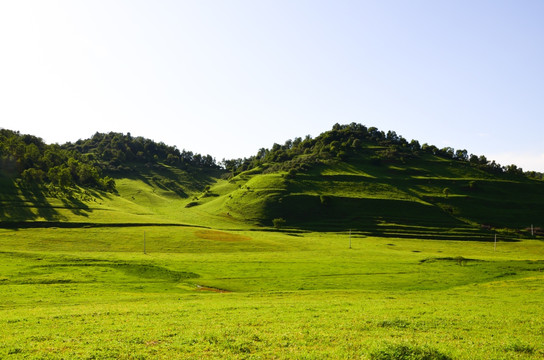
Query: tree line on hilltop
(345, 142)
(90, 162)
(30, 160)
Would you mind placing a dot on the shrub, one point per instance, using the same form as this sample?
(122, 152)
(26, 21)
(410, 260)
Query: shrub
(278, 223)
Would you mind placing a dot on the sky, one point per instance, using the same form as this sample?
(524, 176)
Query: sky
(227, 78)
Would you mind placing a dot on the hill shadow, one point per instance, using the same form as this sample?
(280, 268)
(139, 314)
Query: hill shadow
(31, 203)
(24, 204)
(170, 178)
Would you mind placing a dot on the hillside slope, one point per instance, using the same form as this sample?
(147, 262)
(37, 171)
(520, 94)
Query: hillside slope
(376, 184)
(384, 201)
(348, 178)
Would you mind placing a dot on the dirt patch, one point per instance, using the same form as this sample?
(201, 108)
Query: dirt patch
(220, 236)
(212, 289)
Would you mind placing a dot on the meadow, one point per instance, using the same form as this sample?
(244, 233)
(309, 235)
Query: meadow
(374, 261)
(92, 293)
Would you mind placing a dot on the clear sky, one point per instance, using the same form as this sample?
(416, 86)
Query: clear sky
(229, 77)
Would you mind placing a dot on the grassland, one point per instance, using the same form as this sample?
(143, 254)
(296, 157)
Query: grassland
(200, 293)
(214, 283)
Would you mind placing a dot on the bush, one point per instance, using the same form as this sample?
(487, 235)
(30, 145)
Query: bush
(278, 223)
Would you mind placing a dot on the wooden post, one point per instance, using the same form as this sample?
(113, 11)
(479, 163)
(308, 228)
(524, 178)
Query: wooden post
(495, 244)
(350, 238)
(144, 242)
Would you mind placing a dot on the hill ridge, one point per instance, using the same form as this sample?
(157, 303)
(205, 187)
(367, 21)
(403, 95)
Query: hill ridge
(351, 177)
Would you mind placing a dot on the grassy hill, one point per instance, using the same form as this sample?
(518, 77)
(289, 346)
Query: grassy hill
(423, 197)
(348, 178)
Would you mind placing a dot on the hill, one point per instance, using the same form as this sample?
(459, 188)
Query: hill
(351, 177)
(377, 183)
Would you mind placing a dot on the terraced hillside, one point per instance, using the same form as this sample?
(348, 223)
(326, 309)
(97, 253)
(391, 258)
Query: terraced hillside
(383, 201)
(348, 179)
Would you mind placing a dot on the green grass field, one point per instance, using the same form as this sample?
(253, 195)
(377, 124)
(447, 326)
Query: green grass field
(215, 283)
(198, 293)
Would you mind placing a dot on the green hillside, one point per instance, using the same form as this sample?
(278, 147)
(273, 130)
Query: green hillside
(349, 178)
(377, 184)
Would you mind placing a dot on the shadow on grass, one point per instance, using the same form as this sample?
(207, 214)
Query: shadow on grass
(17, 204)
(169, 178)
(30, 203)
(76, 206)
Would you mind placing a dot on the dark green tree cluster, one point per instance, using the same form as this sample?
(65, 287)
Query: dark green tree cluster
(340, 143)
(117, 151)
(31, 161)
(354, 140)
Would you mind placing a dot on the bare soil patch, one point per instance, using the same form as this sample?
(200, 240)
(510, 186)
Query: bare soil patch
(212, 289)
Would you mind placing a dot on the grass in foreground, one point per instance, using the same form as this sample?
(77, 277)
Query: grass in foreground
(92, 293)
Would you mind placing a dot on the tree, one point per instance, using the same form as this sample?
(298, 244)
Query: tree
(414, 145)
(64, 177)
(513, 170)
(447, 152)
(109, 183)
(461, 155)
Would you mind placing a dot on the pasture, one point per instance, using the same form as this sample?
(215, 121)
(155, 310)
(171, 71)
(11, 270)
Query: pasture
(91, 293)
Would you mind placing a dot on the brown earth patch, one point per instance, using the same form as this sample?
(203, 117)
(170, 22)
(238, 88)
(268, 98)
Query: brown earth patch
(212, 289)
(220, 236)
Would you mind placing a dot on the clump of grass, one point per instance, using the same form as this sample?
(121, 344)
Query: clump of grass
(15, 351)
(407, 352)
(520, 348)
(396, 323)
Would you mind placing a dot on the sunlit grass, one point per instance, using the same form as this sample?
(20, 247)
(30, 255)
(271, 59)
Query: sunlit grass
(84, 293)
(207, 282)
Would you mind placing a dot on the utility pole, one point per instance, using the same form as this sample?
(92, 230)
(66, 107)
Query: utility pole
(495, 245)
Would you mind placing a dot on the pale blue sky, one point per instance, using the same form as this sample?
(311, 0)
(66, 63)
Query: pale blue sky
(229, 77)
